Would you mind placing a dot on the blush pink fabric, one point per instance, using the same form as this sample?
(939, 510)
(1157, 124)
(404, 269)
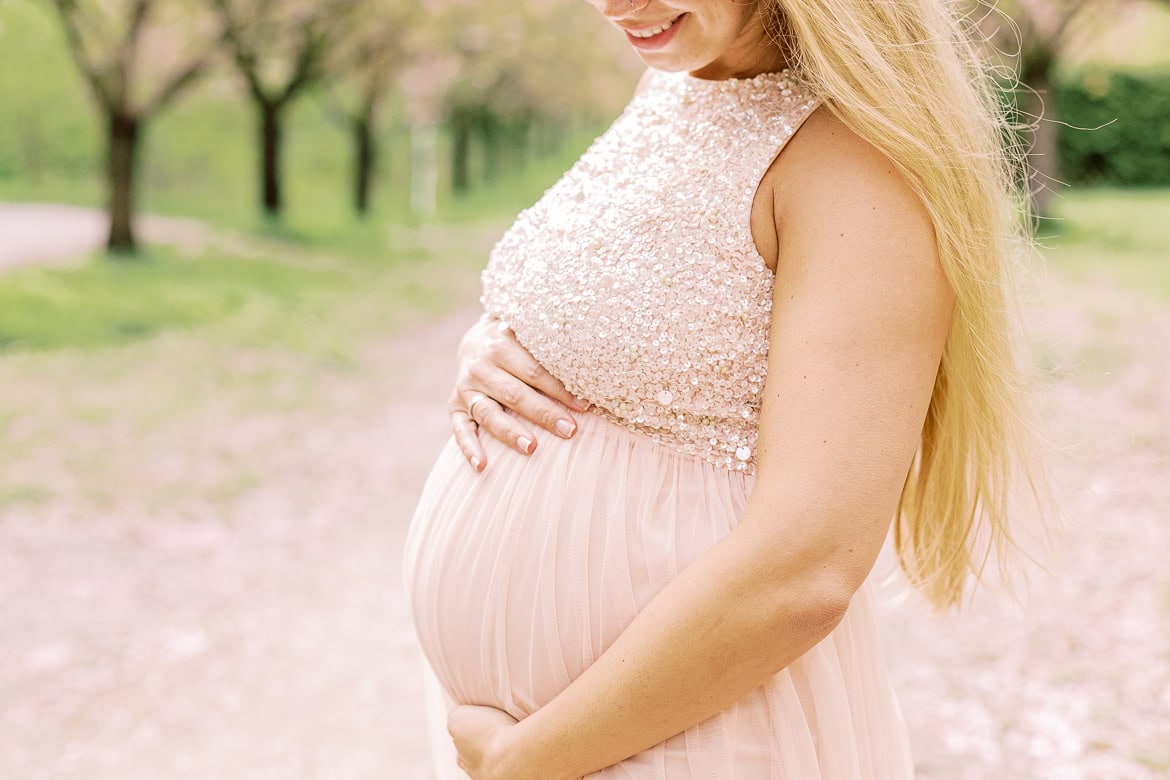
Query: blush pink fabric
(522, 575)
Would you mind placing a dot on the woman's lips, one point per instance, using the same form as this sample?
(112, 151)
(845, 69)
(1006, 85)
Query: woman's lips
(660, 39)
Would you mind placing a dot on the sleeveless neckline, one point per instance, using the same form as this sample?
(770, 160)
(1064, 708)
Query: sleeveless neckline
(737, 82)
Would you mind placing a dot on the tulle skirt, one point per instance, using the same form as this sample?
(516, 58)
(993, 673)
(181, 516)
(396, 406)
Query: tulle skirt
(521, 576)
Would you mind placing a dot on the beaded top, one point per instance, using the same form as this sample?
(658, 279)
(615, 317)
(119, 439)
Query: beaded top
(635, 279)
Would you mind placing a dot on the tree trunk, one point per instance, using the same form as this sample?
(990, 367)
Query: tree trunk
(550, 137)
(122, 168)
(1043, 152)
(489, 134)
(365, 156)
(460, 151)
(520, 136)
(423, 169)
(271, 136)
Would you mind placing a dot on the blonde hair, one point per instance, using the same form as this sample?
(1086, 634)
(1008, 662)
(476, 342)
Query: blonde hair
(907, 76)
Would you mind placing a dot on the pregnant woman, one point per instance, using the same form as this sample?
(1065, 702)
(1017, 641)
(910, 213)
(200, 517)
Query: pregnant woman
(780, 282)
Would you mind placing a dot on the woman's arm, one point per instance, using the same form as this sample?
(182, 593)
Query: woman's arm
(861, 312)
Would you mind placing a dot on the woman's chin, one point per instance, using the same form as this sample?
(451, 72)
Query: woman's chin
(668, 62)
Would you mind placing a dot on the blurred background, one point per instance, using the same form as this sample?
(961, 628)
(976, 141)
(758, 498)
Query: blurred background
(239, 242)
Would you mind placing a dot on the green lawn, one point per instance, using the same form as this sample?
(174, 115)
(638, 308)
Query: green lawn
(1120, 236)
(320, 299)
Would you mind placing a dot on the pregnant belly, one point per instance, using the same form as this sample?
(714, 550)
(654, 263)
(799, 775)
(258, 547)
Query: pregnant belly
(519, 577)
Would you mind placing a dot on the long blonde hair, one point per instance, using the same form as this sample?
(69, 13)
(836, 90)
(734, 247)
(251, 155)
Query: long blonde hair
(907, 76)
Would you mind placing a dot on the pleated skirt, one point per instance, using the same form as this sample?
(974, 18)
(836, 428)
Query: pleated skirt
(521, 576)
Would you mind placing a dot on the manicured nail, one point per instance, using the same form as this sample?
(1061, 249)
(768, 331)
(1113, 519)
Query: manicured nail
(565, 428)
(525, 444)
(475, 463)
(580, 404)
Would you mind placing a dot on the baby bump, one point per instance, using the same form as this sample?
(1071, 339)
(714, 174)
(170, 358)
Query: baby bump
(519, 577)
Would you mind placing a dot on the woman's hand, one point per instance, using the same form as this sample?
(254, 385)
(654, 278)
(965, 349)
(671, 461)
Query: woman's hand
(477, 732)
(496, 372)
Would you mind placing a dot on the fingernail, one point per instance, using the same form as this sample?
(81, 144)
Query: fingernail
(565, 428)
(475, 463)
(525, 444)
(580, 404)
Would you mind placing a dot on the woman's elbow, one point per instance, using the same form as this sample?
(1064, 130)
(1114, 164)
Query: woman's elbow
(829, 603)
(815, 607)
(810, 578)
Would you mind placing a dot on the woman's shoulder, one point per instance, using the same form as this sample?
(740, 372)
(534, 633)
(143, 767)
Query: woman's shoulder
(833, 194)
(829, 165)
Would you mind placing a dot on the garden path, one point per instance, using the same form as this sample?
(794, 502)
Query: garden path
(52, 233)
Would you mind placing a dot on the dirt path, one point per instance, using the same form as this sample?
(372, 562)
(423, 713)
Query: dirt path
(49, 233)
(215, 593)
(218, 597)
(1076, 683)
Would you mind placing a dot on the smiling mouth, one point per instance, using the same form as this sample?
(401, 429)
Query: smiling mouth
(650, 32)
(654, 37)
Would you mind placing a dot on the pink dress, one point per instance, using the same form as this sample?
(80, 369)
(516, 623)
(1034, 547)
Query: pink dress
(635, 280)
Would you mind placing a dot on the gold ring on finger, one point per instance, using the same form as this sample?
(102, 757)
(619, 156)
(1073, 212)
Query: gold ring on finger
(471, 405)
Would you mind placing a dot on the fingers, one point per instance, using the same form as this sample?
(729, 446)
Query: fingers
(528, 403)
(466, 434)
(508, 389)
(511, 376)
(491, 417)
(520, 363)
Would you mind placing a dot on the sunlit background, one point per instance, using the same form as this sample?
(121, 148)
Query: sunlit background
(239, 241)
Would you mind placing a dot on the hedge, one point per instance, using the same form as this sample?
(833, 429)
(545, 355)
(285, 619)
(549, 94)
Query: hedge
(1129, 116)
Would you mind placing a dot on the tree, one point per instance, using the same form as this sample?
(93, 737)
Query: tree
(371, 54)
(1047, 29)
(523, 64)
(137, 56)
(493, 70)
(281, 49)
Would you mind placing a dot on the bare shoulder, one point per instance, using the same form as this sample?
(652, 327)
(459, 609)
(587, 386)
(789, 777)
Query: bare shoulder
(835, 192)
(822, 140)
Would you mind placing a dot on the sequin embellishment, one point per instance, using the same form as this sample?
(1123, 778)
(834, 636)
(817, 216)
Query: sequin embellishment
(635, 280)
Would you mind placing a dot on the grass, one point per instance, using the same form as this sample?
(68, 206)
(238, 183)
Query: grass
(199, 161)
(278, 293)
(111, 367)
(111, 303)
(1120, 236)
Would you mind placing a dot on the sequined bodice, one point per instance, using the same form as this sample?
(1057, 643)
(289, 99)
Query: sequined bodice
(635, 280)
